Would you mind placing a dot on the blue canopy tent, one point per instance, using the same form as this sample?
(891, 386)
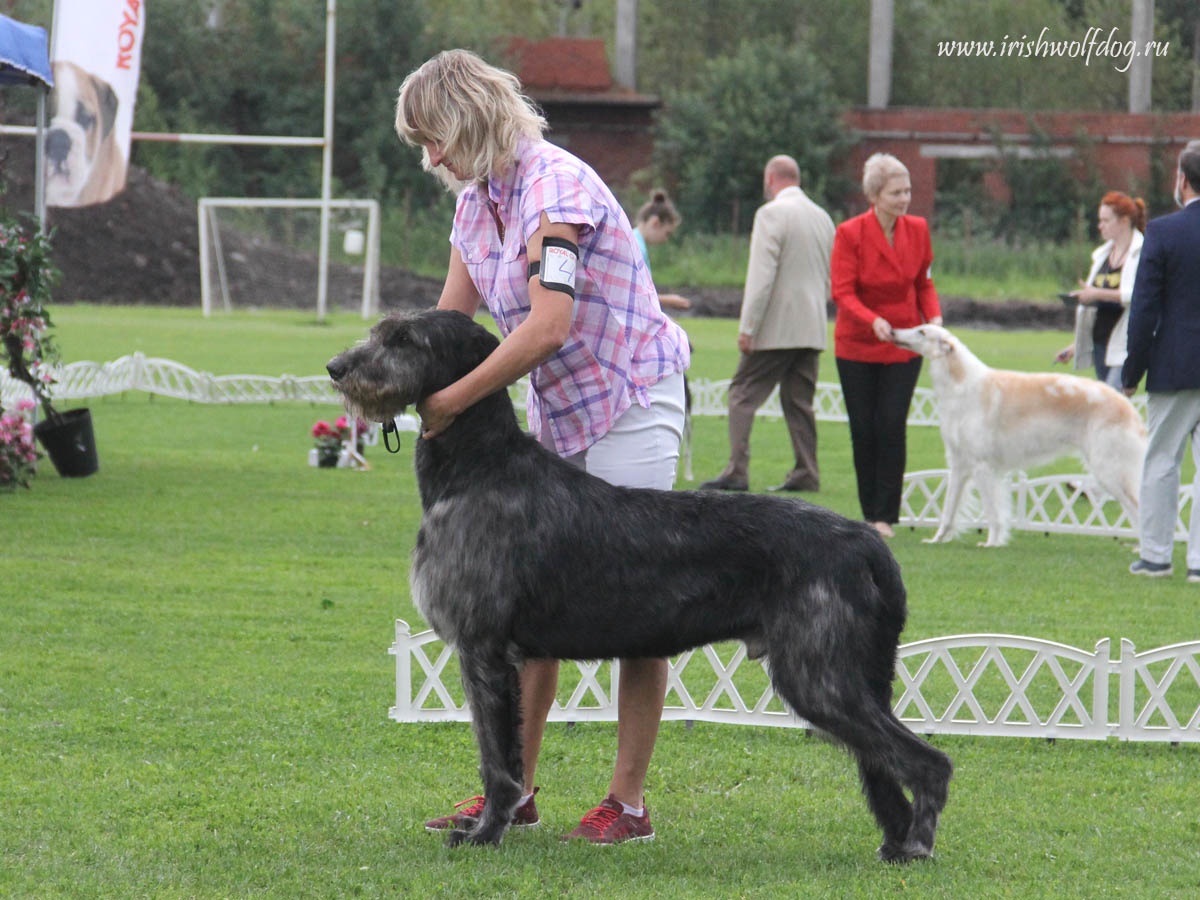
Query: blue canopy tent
(25, 59)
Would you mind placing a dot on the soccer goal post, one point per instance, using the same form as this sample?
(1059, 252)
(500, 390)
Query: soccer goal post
(254, 250)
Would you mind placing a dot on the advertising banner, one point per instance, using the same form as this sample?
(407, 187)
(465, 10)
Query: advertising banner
(95, 54)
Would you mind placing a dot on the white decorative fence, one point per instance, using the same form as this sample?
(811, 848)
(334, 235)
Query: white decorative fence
(82, 380)
(137, 372)
(975, 684)
(1069, 504)
(711, 398)
(1061, 504)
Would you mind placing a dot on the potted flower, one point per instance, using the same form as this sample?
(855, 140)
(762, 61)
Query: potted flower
(28, 351)
(18, 455)
(332, 443)
(327, 444)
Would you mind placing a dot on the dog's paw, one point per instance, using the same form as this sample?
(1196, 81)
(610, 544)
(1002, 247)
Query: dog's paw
(907, 852)
(477, 836)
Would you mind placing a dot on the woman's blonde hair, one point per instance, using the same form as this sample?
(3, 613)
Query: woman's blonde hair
(473, 111)
(878, 168)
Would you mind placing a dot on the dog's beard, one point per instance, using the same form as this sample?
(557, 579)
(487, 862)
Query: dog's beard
(370, 402)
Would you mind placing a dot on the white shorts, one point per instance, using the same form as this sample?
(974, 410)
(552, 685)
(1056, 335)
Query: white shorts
(641, 449)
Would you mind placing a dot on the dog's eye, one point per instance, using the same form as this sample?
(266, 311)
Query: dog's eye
(83, 117)
(398, 338)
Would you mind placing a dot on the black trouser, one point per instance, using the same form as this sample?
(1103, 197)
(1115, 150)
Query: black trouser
(877, 397)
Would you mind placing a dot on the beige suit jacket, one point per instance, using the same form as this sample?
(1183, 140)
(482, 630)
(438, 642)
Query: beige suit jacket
(787, 278)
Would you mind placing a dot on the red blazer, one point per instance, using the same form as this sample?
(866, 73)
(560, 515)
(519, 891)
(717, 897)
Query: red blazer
(872, 278)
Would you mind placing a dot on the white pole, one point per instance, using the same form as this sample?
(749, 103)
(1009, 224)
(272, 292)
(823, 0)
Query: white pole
(879, 56)
(40, 143)
(39, 165)
(205, 282)
(370, 293)
(327, 157)
(625, 55)
(1142, 65)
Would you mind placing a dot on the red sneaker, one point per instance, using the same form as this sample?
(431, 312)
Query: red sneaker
(608, 823)
(526, 815)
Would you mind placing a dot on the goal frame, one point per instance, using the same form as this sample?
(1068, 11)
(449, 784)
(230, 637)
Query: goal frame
(210, 243)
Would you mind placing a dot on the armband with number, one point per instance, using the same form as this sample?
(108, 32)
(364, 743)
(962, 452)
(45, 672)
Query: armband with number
(556, 269)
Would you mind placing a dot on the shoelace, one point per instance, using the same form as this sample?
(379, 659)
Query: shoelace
(472, 810)
(599, 819)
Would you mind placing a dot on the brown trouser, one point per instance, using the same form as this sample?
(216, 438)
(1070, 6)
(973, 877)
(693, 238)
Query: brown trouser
(795, 371)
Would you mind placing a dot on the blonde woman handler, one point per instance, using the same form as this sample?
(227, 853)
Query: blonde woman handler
(605, 364)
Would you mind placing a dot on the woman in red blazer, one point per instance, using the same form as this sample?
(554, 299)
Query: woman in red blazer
(880, 275)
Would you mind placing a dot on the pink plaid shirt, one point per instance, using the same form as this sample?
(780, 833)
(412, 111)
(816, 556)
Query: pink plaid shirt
(620, 341)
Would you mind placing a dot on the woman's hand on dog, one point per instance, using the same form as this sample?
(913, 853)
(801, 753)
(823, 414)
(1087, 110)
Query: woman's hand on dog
(437, 412)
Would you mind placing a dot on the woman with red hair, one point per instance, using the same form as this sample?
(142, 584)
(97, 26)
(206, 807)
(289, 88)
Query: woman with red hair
(1102, 317)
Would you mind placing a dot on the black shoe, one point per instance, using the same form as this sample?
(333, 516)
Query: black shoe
(1153, 569)
(795, 485)
(722, 483)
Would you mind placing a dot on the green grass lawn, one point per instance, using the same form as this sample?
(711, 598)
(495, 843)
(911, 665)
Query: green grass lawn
(194, 680)
(987, 269)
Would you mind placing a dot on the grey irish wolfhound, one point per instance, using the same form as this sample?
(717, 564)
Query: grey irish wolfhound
(520, 555)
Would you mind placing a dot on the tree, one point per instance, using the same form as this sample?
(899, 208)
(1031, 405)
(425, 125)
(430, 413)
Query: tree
(258, 68)
(767, 98)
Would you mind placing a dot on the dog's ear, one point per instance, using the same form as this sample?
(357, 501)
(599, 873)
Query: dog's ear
(945, 346)
(483, 342)
(108, 104)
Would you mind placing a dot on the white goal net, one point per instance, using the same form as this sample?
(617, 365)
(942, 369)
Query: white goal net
(257, 252)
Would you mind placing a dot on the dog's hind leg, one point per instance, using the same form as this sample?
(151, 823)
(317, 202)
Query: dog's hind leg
(834, 692)
(891, 808)
(890, 756)
(1116, 465)
(493, 694)
(926, 771)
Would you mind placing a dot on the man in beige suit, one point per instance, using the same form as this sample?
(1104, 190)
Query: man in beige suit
(783, 326)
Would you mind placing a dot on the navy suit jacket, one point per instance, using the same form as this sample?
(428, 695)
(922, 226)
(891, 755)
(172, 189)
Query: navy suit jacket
(1164, 315)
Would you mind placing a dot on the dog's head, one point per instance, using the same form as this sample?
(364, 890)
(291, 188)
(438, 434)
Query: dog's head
(931, 341)
(407, 357)
(83, 113)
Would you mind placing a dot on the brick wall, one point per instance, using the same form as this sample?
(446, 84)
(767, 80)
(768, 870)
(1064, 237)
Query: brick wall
(1123, 147)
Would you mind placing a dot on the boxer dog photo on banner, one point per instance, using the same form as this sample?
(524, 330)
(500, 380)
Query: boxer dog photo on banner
(96, 56)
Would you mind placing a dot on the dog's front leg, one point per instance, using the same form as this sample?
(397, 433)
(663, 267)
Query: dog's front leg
(493, 694)
(993, 491)
(955, 482)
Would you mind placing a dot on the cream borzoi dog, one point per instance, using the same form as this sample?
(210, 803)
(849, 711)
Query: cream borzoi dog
(996, 421)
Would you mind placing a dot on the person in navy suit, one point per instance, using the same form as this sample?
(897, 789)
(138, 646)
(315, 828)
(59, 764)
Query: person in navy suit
(1164, 345)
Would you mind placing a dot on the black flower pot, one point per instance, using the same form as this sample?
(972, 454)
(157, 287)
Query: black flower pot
(69, 442)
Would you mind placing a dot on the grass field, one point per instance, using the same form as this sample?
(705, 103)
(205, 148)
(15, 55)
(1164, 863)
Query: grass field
(982, 268)
(194, 681)
(988, 270)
